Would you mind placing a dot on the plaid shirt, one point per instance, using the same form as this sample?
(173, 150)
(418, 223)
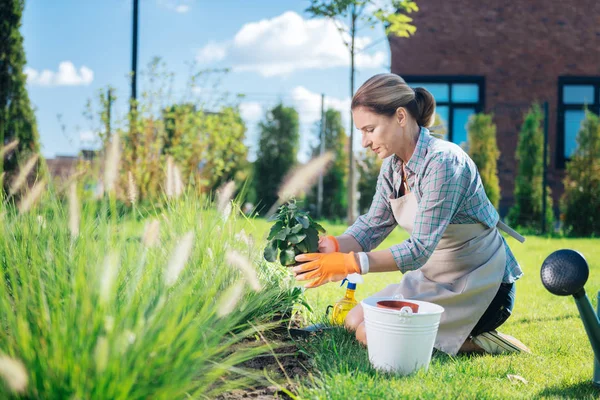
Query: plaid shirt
(448, 190)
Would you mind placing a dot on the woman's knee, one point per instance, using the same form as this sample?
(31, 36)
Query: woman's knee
(361, 334)
(354, 318)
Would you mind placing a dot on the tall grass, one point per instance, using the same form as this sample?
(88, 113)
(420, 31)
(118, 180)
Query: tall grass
(94, 305)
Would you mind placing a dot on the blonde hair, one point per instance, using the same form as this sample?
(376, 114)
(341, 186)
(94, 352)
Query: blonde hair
(385, 93)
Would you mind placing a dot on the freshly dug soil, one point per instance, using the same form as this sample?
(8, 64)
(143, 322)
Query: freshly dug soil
(294, 363)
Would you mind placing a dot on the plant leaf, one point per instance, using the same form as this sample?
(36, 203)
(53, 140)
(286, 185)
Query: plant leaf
(287, 257)
(275, 229)
(303, 220)
(270, 253)
(312, 240)
(296, 228)
(296, 238)
(302, 246)
(318, 227)
(282, 234)
(273, 217)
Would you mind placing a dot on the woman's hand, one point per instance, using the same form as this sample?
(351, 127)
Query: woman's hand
(329, 267)
(328, 244)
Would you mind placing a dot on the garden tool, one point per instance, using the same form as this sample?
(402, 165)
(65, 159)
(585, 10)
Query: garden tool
(564, 273)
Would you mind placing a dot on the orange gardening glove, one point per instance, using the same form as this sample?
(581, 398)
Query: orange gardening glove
(328, 244)
(329, 267)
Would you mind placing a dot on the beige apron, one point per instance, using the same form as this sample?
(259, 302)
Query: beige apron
(462, 275)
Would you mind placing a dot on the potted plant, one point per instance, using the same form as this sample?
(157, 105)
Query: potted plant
(294, 232)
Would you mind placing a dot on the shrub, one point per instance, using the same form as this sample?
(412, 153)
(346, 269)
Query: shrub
(483, 149)
(580, 203)
(527, 210)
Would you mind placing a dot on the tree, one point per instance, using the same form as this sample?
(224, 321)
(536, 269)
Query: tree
(277, 150)
(393, 15)
(334, 182)
(483, 149)
(369, 166)
(527, 210)
(581, 200)
(17, 120)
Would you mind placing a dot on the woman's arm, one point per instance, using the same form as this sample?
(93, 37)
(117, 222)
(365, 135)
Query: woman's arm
(370, 229)
(347, 244)
(380, 261)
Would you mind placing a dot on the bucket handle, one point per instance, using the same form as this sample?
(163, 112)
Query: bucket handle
(404, 312)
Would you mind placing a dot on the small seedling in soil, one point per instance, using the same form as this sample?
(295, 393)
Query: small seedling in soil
(293, 233)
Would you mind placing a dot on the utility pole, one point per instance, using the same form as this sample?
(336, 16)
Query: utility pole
(133, 100)
(352, 174)
(109, 101)
(321, 152)
(134, 52)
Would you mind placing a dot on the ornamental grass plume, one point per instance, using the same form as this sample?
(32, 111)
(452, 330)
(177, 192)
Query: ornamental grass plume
(23, 174)
(243, 264)
(32, 197)
(179, 258)
(4, 150)
(230, 298)
(14, 374)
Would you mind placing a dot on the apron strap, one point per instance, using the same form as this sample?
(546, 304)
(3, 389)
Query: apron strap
(511, 232)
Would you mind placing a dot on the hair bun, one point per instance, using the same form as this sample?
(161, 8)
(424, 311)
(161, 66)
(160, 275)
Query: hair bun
(426, 107)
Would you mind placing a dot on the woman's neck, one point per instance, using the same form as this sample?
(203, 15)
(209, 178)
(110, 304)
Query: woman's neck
(409, 143)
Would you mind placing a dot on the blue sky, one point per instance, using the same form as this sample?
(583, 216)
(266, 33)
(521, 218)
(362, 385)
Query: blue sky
(276, 52)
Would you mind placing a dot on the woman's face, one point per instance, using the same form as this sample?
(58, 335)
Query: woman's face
(379, 132)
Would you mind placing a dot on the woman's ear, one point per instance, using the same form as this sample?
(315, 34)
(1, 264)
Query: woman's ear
(401, 116)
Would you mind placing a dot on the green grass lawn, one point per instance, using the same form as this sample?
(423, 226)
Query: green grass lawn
(560, 367)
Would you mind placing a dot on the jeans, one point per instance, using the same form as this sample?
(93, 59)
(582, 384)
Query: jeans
(498, 311)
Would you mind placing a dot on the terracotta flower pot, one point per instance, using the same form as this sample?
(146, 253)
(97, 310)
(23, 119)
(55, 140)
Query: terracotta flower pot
(397, 305)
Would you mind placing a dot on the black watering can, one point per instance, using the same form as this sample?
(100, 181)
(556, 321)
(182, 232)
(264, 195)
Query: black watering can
(564, 273)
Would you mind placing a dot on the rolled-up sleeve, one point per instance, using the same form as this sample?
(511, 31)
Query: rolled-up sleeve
(444, 185)
(372, 228)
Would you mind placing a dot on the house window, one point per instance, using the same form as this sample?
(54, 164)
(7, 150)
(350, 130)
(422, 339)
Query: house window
(574, 95)
(457, 98)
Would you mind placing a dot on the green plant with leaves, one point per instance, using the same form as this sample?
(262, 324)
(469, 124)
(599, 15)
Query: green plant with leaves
(527, 209)
(207, 147)
(335, 180)
(17, 120)
(369, 166)
(293, 233)
(580, 203)
(96, 304)
(483, 149)
(277, 150)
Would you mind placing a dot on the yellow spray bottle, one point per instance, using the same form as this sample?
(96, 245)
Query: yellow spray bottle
(346, 303)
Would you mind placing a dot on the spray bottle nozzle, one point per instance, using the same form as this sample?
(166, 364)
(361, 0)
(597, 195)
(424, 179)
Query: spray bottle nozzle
(351, 285)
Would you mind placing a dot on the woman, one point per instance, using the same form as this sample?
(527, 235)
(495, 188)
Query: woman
(455, 256)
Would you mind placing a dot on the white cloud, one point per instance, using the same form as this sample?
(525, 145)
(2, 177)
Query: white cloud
(287, 43)
(251, 111)
(179, 6)
(87, 136)
(309, 105)
(67, 75)
(212, 52)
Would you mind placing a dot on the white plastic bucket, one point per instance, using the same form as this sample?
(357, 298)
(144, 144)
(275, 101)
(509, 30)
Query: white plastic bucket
(400, 342)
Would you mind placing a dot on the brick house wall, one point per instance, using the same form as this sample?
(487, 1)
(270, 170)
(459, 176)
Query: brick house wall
(521, 48)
